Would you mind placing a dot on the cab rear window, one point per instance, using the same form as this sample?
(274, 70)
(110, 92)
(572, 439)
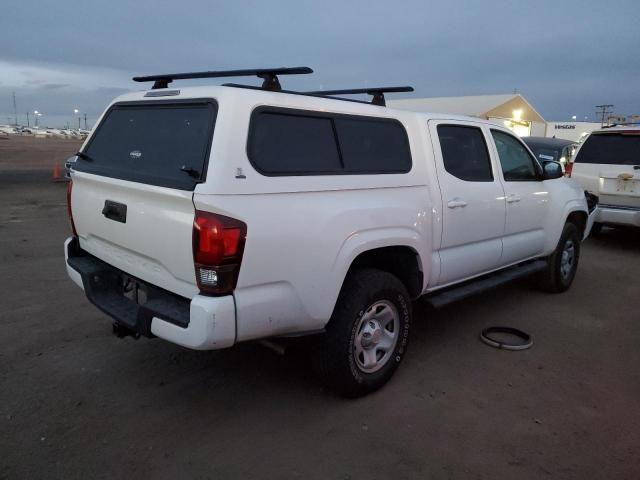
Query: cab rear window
(619, 148)
(157, 143)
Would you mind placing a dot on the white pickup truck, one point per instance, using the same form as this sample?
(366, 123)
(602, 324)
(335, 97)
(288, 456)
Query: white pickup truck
(208, 216)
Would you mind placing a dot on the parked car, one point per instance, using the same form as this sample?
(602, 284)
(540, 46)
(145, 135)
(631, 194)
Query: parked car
(608, 165)
(210, 216)
(551, 149)
(8, 129)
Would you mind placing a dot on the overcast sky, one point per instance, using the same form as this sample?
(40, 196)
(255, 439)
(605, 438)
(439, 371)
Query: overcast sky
(564, 56)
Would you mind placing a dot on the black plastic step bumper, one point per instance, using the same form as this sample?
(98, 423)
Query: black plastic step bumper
(131, 302)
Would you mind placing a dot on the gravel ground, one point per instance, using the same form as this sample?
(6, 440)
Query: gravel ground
(25, 152)
(76, 402)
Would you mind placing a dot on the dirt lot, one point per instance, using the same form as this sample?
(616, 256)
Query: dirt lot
(29, 153)
(76, 402)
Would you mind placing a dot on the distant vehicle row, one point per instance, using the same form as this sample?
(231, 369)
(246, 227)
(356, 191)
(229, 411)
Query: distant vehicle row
(44, 132)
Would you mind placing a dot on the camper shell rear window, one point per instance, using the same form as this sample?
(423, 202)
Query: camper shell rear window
(163, 143)
(292, 142)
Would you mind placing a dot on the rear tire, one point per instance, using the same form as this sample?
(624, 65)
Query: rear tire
(367, 335)
(563, 263)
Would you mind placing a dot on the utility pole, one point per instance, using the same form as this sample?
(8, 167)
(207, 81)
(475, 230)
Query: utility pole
(15, 110)
(85, 122)
(28, 120)
(603, 111)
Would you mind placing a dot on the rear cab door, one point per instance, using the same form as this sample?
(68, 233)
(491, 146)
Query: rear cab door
(473, 200)
(132, 190)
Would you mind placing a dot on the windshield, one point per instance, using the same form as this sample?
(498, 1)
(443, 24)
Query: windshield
(619, 148)
(158, 143)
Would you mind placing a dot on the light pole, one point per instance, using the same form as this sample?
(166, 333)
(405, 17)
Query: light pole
(574, 118)
(76, 111)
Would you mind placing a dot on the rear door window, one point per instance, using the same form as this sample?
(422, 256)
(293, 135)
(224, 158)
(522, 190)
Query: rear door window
(157, 143)
(620, 148)
(464, 153)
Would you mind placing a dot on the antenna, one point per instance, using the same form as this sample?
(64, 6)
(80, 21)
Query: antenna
(268, 75)
(604, 111)
(15, 110)
(376, 92)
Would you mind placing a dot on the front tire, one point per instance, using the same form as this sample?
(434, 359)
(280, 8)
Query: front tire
(367, 335)
(563, 263)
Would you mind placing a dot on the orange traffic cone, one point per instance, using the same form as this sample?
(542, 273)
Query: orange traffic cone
(56, 175)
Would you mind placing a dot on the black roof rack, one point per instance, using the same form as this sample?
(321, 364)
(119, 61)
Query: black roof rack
(292, 92)
(377, 93)
(269, 76)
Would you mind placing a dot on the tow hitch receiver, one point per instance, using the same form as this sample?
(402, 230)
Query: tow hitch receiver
(122, 331)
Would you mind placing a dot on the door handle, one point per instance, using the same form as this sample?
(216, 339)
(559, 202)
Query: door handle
(514, 197)
(115, 211)
(456, 202)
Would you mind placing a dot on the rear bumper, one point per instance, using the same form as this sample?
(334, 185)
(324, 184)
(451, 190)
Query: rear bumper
(592, 207)
(616, 215)
(202, 323)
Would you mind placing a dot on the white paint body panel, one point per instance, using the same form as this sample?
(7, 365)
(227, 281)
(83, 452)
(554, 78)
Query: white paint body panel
(300, 245)
(212, 325)
(304, 232)
(155, 242)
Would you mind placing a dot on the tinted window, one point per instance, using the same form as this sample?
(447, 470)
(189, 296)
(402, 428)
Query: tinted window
(464, 153)
(373, 145)
(151, 143)
(516, 161)
(293, 144)
(611, 149)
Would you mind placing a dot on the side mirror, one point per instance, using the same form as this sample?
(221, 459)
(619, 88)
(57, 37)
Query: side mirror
(68, 165)
(552, 170)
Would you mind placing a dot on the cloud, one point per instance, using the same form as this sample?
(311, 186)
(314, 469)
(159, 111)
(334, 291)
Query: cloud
(57, 89)
(564, 56)
(27, 75)
(54, 86)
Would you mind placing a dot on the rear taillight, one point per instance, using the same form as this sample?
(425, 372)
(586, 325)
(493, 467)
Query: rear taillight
(73, 225)
(568, 168)
(218, 245)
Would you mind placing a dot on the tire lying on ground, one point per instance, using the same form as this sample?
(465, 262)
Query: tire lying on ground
(367, 335)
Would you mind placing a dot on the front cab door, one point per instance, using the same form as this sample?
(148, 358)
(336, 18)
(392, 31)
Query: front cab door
(527, 198)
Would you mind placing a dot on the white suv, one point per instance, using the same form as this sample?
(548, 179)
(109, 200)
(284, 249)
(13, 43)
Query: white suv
(209, 216)
(608, 165)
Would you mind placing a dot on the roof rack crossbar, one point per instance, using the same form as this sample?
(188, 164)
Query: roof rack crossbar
(269, 76)
(376, 92)
(292, 92)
